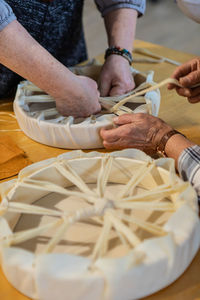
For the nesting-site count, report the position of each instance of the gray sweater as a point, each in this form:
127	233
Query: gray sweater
104	6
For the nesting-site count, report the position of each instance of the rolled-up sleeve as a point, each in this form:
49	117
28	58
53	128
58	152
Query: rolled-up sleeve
189	167
105	6
6	15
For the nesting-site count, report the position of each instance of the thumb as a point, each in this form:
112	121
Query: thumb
116	91
104	87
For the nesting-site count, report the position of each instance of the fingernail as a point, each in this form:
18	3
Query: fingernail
115	119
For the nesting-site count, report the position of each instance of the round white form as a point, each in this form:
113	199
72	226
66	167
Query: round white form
38	118
97	226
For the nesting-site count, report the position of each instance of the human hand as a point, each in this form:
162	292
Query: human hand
115	78
81	100
141	131
188	75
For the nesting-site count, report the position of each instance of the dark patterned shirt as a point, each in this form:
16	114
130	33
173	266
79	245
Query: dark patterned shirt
56	25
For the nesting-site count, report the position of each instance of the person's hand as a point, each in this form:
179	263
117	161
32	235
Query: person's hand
115	78
188	75
74	95
141	131
81	100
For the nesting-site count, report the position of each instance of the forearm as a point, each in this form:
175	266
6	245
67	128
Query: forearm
187	159
74	95
120	26
23	55
175	146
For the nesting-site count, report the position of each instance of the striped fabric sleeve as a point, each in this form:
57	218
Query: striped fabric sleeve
189	167
6	14
105	6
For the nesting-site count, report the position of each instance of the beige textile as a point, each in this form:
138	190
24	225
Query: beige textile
38	118
102	222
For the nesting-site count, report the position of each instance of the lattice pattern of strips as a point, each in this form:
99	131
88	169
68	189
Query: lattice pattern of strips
114	105
108	103
102	208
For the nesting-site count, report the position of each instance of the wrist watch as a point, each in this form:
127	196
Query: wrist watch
161	147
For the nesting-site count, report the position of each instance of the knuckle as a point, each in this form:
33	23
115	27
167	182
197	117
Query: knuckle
140	116
128	130
129	84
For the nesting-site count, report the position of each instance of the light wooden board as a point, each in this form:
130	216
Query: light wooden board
178	113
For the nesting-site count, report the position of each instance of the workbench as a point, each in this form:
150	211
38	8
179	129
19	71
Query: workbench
176	111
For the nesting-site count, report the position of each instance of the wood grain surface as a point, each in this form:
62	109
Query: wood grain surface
175	110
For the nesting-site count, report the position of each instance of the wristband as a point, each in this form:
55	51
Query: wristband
119	51
161	147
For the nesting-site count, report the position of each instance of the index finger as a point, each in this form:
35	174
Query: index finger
182	70
110	135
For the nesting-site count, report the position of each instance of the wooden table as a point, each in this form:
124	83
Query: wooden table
178	113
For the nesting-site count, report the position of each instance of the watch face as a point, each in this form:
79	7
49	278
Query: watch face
191	8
